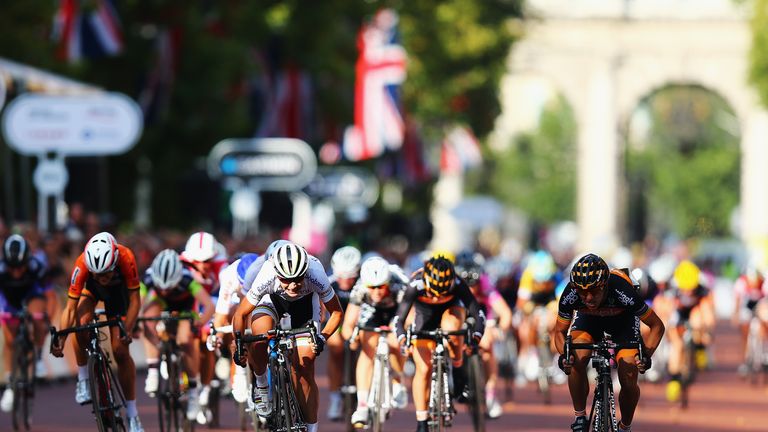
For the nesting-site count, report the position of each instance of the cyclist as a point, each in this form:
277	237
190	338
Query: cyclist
440	299
171	288
469	266
748	291
373	303
536	300
345	264
205	257
22	281
604	301
230	293
105	271
290	285
692	304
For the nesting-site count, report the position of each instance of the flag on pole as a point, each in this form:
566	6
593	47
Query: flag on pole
155	96
380	70
460	151
93	32
289	109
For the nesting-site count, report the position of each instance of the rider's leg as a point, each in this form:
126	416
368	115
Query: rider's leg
630	391
304	381
422	359
335	345
452	320
396	358
85	308
185	337
578	382
37	306
364	370
126	370
150	346
9	335
489	363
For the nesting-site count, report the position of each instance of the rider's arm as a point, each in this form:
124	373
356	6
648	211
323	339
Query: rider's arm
410	295
565	308
473	307
503	312
127	264
657	331
333	306
352	313
76	285
204	299
242	312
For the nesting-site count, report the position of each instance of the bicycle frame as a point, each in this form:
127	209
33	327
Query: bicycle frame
380	392
286	414
170	393
101	376
602	416
440	402
23	374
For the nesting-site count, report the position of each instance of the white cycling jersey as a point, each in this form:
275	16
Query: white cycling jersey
315	281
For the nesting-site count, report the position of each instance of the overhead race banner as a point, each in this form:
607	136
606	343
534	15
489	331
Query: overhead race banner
274	164
93	125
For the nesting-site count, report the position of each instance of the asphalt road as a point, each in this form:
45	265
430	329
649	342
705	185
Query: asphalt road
720	401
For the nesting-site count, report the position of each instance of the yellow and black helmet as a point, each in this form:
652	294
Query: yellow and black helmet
590	271
439	275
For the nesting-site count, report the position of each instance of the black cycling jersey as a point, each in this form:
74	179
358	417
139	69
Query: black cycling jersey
621	298
416	293
31	283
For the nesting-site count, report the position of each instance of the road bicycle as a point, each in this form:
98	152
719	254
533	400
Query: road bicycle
687	364
602	416
544	354
441	409
247	417
107	397
380	400
171	395
348	387
23	375
286	413
756	360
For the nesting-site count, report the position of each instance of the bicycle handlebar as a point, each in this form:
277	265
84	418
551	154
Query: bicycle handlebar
379	330
602	346
168	317
55	335
241	339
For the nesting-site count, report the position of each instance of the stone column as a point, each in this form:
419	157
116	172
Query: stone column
598	160
754	184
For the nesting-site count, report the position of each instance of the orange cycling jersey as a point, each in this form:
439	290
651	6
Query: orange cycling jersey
126	273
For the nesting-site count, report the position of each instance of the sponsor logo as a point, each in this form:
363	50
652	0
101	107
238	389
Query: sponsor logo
75	273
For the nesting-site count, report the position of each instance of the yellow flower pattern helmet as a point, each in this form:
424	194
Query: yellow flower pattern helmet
439	276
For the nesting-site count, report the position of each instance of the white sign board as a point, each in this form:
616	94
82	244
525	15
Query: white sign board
102	124
50	177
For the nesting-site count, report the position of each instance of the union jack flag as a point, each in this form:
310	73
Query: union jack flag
380	70
95	33
460	151
289	110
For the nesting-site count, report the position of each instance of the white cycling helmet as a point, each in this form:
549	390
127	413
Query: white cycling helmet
101	253
201	246
166	269
273	247
345	262
375	272
290	261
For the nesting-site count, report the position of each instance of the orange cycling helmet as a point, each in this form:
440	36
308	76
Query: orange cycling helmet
590	271
439	275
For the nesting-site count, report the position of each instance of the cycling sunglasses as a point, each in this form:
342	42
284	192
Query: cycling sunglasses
376	287
296	280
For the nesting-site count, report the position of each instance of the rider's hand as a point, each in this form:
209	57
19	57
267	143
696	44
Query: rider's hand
644	365
212	342
57	347
240	361
354	344
475	341
126	339
565	364
404	348
319	343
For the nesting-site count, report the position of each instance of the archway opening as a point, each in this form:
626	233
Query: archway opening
682	163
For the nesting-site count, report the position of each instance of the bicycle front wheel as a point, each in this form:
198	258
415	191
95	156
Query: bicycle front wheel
603	419
22	382
436	422
477	406
378	396
102	398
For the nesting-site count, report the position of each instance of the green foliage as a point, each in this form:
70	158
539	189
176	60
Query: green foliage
758	68
537	174
690	163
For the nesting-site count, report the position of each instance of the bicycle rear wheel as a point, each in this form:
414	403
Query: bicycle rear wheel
477	407
102	398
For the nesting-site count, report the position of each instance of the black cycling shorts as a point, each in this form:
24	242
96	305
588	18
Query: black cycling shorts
301	311
371	316
115	298
429	316
624	328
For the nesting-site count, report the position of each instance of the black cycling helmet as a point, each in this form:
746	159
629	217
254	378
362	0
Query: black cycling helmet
439	275
15	251
589	271
469	266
